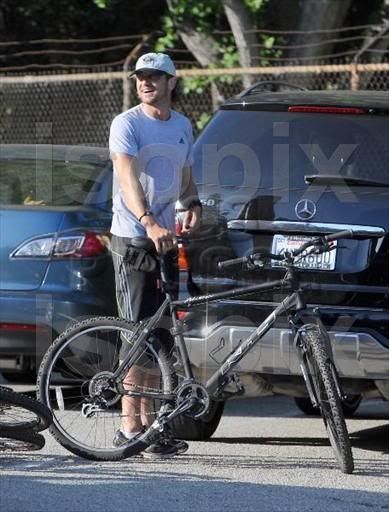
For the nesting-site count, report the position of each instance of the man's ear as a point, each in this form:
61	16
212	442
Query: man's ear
171	83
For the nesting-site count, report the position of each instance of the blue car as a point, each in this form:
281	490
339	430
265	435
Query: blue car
55	265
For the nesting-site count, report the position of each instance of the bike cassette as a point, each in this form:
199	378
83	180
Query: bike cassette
195	393
101	388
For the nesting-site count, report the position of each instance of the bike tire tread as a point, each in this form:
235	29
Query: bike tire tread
43	417
318	343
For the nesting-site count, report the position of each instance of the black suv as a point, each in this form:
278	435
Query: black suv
272	169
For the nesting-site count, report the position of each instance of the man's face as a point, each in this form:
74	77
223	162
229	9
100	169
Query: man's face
152	87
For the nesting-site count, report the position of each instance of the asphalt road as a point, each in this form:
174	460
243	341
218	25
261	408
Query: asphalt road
265	456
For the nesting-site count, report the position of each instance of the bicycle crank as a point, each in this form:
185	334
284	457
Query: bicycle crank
195	394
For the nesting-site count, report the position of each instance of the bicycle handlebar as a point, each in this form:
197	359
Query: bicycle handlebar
233	262
251	258
321	244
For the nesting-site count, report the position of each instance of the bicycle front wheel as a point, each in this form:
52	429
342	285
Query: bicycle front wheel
323	378
88	403
20	412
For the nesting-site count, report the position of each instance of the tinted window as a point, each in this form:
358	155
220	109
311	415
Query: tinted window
277	149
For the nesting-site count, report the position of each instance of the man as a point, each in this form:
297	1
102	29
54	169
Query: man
151	148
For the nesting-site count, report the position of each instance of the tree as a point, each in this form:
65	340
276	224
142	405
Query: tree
23	21
315	16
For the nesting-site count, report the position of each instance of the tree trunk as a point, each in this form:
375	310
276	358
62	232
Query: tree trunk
202	46
319	15
242	27
204	49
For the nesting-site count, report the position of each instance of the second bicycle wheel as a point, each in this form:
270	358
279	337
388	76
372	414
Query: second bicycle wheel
19	412
88	403
322	373
20	441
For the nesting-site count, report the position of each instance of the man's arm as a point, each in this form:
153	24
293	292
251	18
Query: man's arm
189	198
126	168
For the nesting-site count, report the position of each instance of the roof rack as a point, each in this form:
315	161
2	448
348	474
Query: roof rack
271	86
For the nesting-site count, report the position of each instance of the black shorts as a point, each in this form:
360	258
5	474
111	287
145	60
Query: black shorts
137	276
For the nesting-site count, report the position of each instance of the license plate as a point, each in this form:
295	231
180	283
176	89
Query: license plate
324	261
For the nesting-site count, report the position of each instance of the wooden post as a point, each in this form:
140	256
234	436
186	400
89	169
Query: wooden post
354	77
126	68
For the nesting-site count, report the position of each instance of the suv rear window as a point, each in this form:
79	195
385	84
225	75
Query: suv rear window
265	149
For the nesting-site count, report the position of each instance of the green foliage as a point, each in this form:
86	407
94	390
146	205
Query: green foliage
203	120
199	14
102	4
255	5
195	84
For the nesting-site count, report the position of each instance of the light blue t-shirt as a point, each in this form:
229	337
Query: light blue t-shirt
162	149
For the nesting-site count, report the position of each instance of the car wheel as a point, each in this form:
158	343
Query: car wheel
201	429
349	404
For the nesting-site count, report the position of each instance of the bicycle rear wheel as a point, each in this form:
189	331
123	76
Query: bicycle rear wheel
20	412
20	441
76	382
323	379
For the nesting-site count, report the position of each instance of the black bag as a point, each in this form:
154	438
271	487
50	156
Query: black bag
141	255
140	260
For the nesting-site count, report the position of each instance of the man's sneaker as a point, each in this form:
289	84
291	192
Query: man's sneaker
165	448
120	439
181	445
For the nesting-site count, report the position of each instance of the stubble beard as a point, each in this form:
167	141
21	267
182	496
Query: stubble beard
155	98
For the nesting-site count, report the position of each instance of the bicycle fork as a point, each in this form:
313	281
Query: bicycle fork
302	348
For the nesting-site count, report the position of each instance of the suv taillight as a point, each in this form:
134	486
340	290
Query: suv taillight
183	262
80	245
327	110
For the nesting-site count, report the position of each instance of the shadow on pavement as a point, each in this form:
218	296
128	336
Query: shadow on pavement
63	484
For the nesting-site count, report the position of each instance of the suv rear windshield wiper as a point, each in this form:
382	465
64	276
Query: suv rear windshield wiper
336	179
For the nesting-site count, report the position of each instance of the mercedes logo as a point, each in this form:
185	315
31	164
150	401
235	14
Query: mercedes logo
305	209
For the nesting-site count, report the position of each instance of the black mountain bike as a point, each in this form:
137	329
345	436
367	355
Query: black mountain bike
89	369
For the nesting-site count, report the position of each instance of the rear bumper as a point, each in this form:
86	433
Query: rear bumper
356	355
360	352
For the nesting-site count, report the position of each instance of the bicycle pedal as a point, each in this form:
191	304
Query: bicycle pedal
238	388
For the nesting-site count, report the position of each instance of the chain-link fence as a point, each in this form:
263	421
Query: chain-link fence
79	108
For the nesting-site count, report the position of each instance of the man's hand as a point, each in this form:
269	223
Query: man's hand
191	220
164	240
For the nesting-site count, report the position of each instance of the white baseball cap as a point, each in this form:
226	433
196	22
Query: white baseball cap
155	62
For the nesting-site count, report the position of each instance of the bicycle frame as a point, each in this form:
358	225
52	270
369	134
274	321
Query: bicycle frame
292	303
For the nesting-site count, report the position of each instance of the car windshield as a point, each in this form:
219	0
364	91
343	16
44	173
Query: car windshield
48	182
262	149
